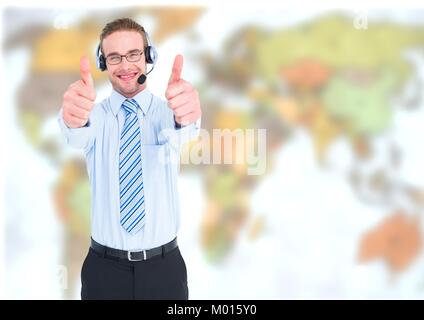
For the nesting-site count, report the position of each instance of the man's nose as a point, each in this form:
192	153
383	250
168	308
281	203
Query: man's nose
125	63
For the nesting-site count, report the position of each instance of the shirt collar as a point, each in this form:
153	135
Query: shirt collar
143	99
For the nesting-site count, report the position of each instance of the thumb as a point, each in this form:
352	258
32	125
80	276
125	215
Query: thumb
176	69
85	72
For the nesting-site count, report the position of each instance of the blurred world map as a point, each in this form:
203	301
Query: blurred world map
338	212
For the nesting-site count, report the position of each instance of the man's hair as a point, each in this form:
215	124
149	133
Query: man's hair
122	24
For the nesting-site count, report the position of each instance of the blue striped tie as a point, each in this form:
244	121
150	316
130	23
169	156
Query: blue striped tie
130	171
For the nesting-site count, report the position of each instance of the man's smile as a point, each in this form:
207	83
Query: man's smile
127	76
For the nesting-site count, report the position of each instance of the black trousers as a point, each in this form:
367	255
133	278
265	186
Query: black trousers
161	277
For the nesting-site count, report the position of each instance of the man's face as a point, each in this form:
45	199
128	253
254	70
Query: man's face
124	75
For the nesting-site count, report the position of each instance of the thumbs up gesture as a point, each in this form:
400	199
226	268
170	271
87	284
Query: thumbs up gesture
182	98
78	100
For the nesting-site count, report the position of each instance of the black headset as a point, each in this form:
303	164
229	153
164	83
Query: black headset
150	55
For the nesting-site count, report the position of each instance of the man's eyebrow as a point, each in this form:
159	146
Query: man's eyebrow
117	53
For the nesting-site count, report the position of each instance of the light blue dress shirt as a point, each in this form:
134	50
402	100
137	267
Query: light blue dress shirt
160	150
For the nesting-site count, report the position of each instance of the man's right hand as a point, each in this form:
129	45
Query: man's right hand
78	100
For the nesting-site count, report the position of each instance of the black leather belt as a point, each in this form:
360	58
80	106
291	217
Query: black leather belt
134	255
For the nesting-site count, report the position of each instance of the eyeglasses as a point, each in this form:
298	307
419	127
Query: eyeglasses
131	57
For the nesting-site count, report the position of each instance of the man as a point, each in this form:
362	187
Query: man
131	142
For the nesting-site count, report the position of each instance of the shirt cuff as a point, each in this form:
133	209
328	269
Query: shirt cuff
181	134
75	137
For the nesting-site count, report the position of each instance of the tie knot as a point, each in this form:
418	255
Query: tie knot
130	106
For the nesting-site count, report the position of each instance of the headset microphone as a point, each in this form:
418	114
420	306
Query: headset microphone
142	79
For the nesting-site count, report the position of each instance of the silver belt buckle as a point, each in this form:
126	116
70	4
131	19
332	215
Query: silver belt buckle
131	259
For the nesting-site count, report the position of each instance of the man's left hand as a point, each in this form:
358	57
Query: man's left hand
182	98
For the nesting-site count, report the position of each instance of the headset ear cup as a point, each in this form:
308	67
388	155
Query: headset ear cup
148	55
100	59
102	63
151	55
